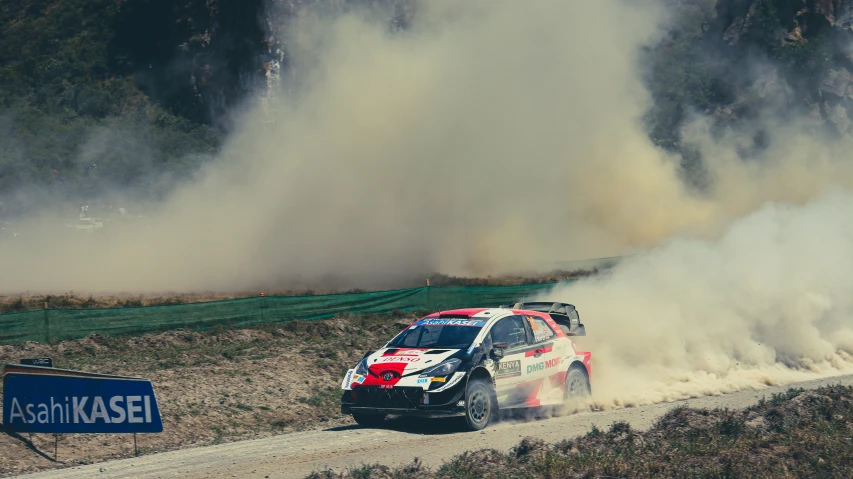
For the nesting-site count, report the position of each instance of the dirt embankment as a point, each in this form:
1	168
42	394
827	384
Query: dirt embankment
212	387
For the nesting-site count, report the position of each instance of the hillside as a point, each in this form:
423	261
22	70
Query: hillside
738	60
97	94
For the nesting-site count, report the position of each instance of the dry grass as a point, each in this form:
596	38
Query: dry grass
212	387
797	434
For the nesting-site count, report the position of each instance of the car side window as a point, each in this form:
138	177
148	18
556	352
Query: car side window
510	331
541	330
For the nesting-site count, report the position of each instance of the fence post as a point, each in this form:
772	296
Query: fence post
263	309
428	296
46	324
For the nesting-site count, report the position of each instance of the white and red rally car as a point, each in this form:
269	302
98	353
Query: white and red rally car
472	362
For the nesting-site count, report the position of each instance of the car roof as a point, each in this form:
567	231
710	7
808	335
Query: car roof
471	312
528	312
467	312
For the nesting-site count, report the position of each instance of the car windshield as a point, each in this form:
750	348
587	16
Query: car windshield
438	333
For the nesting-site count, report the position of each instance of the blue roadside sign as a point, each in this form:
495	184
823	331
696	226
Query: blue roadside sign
49	403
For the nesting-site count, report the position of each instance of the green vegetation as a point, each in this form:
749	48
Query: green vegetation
732	60
681	77
69	99
797	434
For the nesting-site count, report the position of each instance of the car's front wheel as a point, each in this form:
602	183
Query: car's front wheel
479	404
369	420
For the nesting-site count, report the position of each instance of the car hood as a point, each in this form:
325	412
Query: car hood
407	360
399	366
403	367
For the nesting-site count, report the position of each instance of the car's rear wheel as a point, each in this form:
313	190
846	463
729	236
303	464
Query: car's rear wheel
577	384
480	404
369	420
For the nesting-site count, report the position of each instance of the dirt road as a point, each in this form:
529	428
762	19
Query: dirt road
298	454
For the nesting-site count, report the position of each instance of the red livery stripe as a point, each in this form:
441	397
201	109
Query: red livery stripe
543	350
377	370
557	379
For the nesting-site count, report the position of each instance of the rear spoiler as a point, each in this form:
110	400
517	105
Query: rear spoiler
564	314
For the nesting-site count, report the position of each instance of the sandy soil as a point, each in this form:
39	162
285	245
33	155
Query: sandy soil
298	454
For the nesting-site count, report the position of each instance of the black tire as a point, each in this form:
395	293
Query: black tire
480	405
577	384
369	420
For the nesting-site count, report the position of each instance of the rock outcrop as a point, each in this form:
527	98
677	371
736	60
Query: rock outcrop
811	42
796	20
201	57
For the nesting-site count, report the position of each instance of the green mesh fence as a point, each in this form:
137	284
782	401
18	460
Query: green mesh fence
452	297
62	324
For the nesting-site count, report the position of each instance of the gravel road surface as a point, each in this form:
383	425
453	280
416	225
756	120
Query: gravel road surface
298	454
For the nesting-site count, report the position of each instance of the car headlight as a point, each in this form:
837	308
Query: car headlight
361	369
443	369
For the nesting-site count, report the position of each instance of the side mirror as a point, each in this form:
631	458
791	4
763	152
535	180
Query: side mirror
498	350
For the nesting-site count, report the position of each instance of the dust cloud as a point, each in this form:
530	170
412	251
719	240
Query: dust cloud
767	303
485	138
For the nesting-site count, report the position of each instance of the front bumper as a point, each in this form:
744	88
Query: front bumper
419	412
404	401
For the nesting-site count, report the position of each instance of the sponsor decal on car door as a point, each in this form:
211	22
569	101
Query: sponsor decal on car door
508	375
542	362
509	370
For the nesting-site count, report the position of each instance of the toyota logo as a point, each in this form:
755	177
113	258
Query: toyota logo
387	376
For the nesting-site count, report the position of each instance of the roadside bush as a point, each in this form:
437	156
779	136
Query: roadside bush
796	434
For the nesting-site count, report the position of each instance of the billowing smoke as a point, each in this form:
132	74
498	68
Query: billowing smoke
767	303
485	138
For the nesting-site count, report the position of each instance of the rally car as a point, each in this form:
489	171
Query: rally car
472	362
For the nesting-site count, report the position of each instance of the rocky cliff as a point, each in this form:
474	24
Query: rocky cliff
197	57
202	56
168	72
808	42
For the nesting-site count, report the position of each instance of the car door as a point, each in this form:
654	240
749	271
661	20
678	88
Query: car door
508	372
542	364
